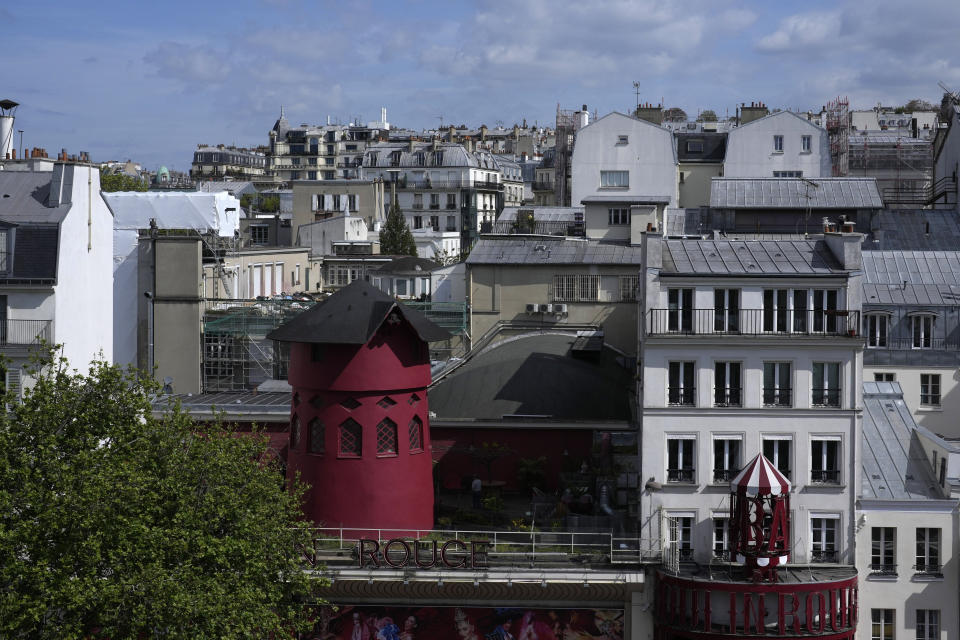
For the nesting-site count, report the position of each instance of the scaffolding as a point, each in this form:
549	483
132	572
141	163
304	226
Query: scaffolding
902	166
238	356
565	130
838	129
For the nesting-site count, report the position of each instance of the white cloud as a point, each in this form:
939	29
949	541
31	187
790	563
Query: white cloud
802	31
188	64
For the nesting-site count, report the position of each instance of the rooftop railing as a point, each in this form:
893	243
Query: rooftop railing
503	548
754	322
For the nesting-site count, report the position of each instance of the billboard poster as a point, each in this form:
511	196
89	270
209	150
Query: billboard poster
466	623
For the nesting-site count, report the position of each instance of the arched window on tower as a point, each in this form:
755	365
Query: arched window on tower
351	438
416	434
387	437
316	435
294	432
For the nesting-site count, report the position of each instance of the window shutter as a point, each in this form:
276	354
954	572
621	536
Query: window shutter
313	202
13	380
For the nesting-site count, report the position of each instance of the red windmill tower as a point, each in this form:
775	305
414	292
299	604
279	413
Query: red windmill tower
760	519
359	424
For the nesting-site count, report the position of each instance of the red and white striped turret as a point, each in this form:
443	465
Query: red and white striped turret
760	519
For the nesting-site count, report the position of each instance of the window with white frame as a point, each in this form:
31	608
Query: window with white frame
4	251
928	624
876	329
923	331
681	383
721	538
617	179
680	309
788	174
777	384
930	389
628	288
824	538
883	551
825	460
775	310
805	143
881	624
778	450
259	234
928	551
726	457
726	310
884	376
576	288
622	139
778	144
727	384
826	384
824	310
618	216
681	458
680	533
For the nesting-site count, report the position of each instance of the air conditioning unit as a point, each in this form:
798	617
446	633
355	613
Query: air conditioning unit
559	308
547	308
532	307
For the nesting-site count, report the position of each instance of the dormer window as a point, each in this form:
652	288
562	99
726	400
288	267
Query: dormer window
395	159
694	146
623	140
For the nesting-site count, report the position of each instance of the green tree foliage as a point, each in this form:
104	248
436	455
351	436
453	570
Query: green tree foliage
110	182
396	239
264	204
708	115
674	114
918	104
118	524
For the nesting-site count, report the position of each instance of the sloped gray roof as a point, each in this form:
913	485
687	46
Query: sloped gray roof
914	229
795	193
636	199
454	155
23	198
353	315
535	376
749	257
544	214
914	278
682	222
894	464
541	250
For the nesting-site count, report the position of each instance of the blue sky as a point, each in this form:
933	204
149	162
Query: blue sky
148	81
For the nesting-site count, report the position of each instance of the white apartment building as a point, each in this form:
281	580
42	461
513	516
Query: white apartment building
55	266
906	525
319	152
447	192
746	348
623	167
780	145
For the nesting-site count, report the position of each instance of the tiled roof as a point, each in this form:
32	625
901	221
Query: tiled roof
751	257
795	193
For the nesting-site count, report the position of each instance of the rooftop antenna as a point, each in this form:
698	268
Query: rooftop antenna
636	89
440	118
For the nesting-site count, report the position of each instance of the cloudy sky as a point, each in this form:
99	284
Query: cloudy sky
149	80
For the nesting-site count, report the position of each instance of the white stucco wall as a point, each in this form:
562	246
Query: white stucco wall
649	155
948	162
750	150
82	318
450	283
943	419
903	593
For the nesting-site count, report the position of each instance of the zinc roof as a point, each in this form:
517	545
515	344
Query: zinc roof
894	465
749	257
795	193
23	198
540	250
913	278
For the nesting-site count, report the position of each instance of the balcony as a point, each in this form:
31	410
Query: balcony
825	476
724	475
883	569
681	475
681	396
826	398
24	333
451	205
777	397
754	322
831	556
928	571
418	205
544	186
728	397
434	205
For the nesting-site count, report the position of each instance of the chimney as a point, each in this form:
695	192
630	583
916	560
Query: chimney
651	113
755	111
846	246
410	145
483	133
451	133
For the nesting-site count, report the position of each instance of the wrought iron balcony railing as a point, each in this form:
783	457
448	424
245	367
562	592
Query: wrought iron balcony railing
680	475
754	322
825	476
24	332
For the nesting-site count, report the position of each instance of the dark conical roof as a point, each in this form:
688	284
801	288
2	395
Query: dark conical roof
281	126
351	316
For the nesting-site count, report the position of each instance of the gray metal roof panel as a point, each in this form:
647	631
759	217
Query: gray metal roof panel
541	250
795	193
637	199
23	198
755	257
894	465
